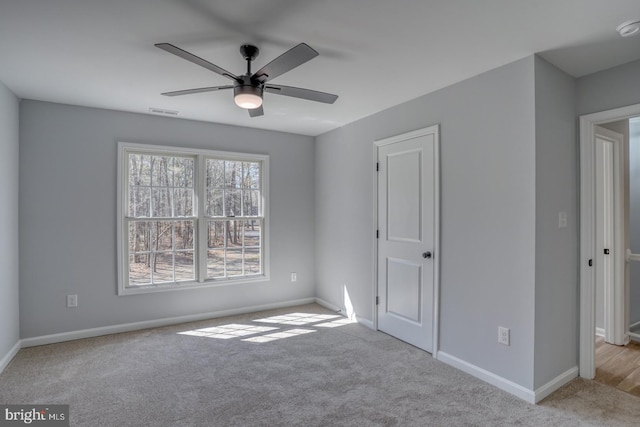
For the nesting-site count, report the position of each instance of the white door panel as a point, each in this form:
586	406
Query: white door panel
403	173
404	286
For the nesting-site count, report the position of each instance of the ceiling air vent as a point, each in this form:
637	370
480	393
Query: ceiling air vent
163	111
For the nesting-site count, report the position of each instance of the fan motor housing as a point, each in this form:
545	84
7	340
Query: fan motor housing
246	86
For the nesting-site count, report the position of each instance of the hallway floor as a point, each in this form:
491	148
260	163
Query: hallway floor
618	366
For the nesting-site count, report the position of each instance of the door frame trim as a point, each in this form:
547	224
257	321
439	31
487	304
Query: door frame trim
587	230
430	130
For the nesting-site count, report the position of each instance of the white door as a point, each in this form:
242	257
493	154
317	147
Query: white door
609	257
407	236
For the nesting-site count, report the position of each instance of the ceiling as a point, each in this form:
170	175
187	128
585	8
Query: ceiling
374	54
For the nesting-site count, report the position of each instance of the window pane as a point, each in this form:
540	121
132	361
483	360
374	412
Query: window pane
185	269
183	172
139	270
234	262
251	203
139	202
139	169
183	202
161	202
252	261
251	175
214	202
163	267
160	171
233	174
216	234
139	236
215	173
232	203
252	233
183	232
163	236
234	234
215	263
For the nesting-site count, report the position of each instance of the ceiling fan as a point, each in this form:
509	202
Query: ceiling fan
248	88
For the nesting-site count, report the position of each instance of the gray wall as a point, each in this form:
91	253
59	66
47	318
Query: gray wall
9	264
68	217
609	89
488	227
557	285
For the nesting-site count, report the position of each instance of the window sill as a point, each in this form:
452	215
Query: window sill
168	287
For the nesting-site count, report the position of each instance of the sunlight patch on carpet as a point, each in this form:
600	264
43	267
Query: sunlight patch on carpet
335	323
264	333
279	335
298	319
228	331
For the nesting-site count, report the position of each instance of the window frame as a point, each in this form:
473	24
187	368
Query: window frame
199	217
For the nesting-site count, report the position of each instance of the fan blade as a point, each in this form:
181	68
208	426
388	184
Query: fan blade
297	92
256	112
289	60
196	60
197	90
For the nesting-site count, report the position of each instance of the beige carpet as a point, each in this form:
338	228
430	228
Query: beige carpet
302	366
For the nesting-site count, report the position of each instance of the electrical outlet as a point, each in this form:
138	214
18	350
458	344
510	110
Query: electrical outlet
294	277
503	335
72	301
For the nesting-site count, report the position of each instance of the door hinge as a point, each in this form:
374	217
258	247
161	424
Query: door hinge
378	167
377	300
590	263
377	234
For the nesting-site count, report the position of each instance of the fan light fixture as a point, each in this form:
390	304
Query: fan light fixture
247	96
629	28
248	101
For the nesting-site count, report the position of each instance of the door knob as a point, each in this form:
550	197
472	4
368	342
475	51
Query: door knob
426	255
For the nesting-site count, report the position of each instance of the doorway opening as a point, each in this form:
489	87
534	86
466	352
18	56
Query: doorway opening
609	248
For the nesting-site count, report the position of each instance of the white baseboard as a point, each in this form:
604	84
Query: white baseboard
556	383
600	332
509	386
364	322
127	327
489	377
4	362
329	306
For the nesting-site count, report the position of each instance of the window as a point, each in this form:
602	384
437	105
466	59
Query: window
189	218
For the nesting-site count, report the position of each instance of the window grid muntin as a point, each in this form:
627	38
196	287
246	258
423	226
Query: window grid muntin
151	227
171	189
243	187
242	248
